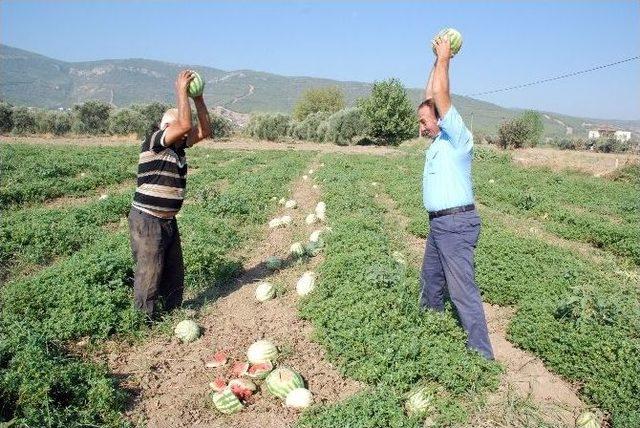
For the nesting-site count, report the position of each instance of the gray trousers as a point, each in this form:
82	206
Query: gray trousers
159	271
448	271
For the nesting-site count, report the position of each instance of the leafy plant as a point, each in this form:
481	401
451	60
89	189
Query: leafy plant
328	100
390	112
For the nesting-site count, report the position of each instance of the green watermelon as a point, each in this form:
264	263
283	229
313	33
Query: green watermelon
226	401
282	381
196	86
262	351
420	400
273	263
454	37
187	331
587	420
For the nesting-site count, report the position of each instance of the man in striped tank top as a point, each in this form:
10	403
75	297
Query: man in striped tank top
162	178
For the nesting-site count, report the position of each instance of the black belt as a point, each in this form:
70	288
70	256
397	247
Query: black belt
461	209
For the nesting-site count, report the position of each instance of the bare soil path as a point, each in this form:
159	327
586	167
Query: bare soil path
171	379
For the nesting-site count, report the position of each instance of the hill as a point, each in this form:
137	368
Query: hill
35	80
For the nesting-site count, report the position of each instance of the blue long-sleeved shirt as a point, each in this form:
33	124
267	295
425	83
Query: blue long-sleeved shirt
446	180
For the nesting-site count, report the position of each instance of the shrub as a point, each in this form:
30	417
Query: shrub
24	121
329	99
308	129
348	126
605	145
44	121
564	143
523	131
61	123
268	126
92	117
151	114
390	112
127	121
6	117
221	127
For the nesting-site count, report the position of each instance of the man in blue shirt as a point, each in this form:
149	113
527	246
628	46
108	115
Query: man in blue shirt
448	265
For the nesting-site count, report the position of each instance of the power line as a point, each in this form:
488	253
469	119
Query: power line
563	76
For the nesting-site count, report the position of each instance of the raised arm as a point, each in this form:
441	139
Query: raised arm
428	90
204	124
182	126
440	84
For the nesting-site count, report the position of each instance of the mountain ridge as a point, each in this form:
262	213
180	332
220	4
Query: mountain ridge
31	79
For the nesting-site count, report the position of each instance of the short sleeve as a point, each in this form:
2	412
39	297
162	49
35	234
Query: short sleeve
156	141
453	125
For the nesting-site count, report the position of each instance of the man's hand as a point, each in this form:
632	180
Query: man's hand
177	130
182	82
442	46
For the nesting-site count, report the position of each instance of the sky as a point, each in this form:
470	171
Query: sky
505	43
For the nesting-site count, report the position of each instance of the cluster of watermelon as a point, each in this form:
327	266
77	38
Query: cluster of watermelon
282	382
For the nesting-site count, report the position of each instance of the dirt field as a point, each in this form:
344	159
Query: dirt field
597	164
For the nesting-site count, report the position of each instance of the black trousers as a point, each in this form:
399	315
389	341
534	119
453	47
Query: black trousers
159	272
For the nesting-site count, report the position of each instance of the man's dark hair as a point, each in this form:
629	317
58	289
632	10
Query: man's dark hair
429	103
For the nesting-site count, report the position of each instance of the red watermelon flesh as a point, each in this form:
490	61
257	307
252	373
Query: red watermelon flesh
242	388
260	370
239	369
219	360
218	384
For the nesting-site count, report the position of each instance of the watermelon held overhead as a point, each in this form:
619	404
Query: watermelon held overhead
196	86
454	36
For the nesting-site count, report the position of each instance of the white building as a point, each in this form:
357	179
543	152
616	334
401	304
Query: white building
609	132
623	136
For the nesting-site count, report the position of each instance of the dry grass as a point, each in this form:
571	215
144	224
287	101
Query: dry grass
596	164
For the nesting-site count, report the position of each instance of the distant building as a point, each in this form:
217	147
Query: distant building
623	136
607	131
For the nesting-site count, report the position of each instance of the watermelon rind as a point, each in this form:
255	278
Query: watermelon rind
226	402
282	381
260	370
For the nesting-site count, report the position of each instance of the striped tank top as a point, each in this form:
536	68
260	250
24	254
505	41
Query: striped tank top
162	177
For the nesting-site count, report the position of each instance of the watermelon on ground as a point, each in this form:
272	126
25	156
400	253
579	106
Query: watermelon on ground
282	381
226	401
260	370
